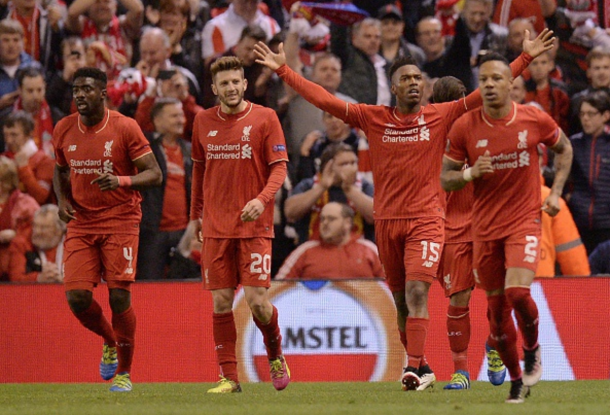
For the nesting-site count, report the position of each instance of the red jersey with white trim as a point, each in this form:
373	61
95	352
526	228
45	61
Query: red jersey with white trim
108	147
405	149
237	151
458	215
508	199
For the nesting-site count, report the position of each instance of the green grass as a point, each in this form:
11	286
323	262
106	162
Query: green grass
552	398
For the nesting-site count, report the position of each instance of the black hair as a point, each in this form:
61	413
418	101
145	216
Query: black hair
95	73
600	100
493	56
28	72
400	62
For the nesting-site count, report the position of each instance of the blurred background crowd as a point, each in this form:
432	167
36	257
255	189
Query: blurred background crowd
157	55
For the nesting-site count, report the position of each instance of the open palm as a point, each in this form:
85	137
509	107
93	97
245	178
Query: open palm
266	56
541	44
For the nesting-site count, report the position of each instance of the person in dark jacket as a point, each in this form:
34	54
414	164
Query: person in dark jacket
165	209
589	190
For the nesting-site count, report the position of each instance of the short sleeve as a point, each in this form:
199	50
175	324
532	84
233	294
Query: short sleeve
275	143
456	147
60	159
137	145
548	129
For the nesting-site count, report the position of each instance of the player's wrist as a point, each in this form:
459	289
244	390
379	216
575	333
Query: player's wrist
124	181
467	175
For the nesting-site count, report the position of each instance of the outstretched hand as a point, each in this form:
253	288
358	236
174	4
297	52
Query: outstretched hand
269	59
541	44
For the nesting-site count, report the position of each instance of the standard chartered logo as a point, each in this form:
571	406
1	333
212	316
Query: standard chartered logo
524	159
246	152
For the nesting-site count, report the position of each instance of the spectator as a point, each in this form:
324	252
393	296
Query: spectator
155	52
223	31
518	91
108	37
393	44
534	11
314	144
17	211
561	249
165	209
171	83
600	259
476	35
516	33
38	257
548	92
253	72
598	73
364	74
185	259
12	58
447	12
339	254
31	99
34	166
186	43
428	33
589	190
337	181
59	87
41	25
302	117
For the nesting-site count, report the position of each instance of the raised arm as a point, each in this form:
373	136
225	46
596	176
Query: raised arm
531	50
311	91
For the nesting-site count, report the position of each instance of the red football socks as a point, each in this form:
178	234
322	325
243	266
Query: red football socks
403	338
503	335
94	320
458	331
271	335
124	325
520	298
417	331
225	336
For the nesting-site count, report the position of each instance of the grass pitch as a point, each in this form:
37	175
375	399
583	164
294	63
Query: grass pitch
552	398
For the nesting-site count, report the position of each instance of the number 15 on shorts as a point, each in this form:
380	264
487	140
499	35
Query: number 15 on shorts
430	253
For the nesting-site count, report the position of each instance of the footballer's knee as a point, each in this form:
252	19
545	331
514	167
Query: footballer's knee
461	299
79	300
120	300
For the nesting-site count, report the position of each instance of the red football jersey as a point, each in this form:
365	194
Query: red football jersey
108	147
509	198
458	215
237	151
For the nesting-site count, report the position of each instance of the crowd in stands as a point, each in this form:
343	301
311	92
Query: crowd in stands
157	55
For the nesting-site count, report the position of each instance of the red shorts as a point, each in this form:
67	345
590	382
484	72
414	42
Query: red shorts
88	258
455	270
410	249
493	258
226	263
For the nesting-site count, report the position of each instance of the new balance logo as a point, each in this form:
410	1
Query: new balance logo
529	259
246	152
262	277
428	264
481	144
72	147
213	133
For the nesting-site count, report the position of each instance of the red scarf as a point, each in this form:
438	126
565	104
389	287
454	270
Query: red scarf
43	126
314	219
31	38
